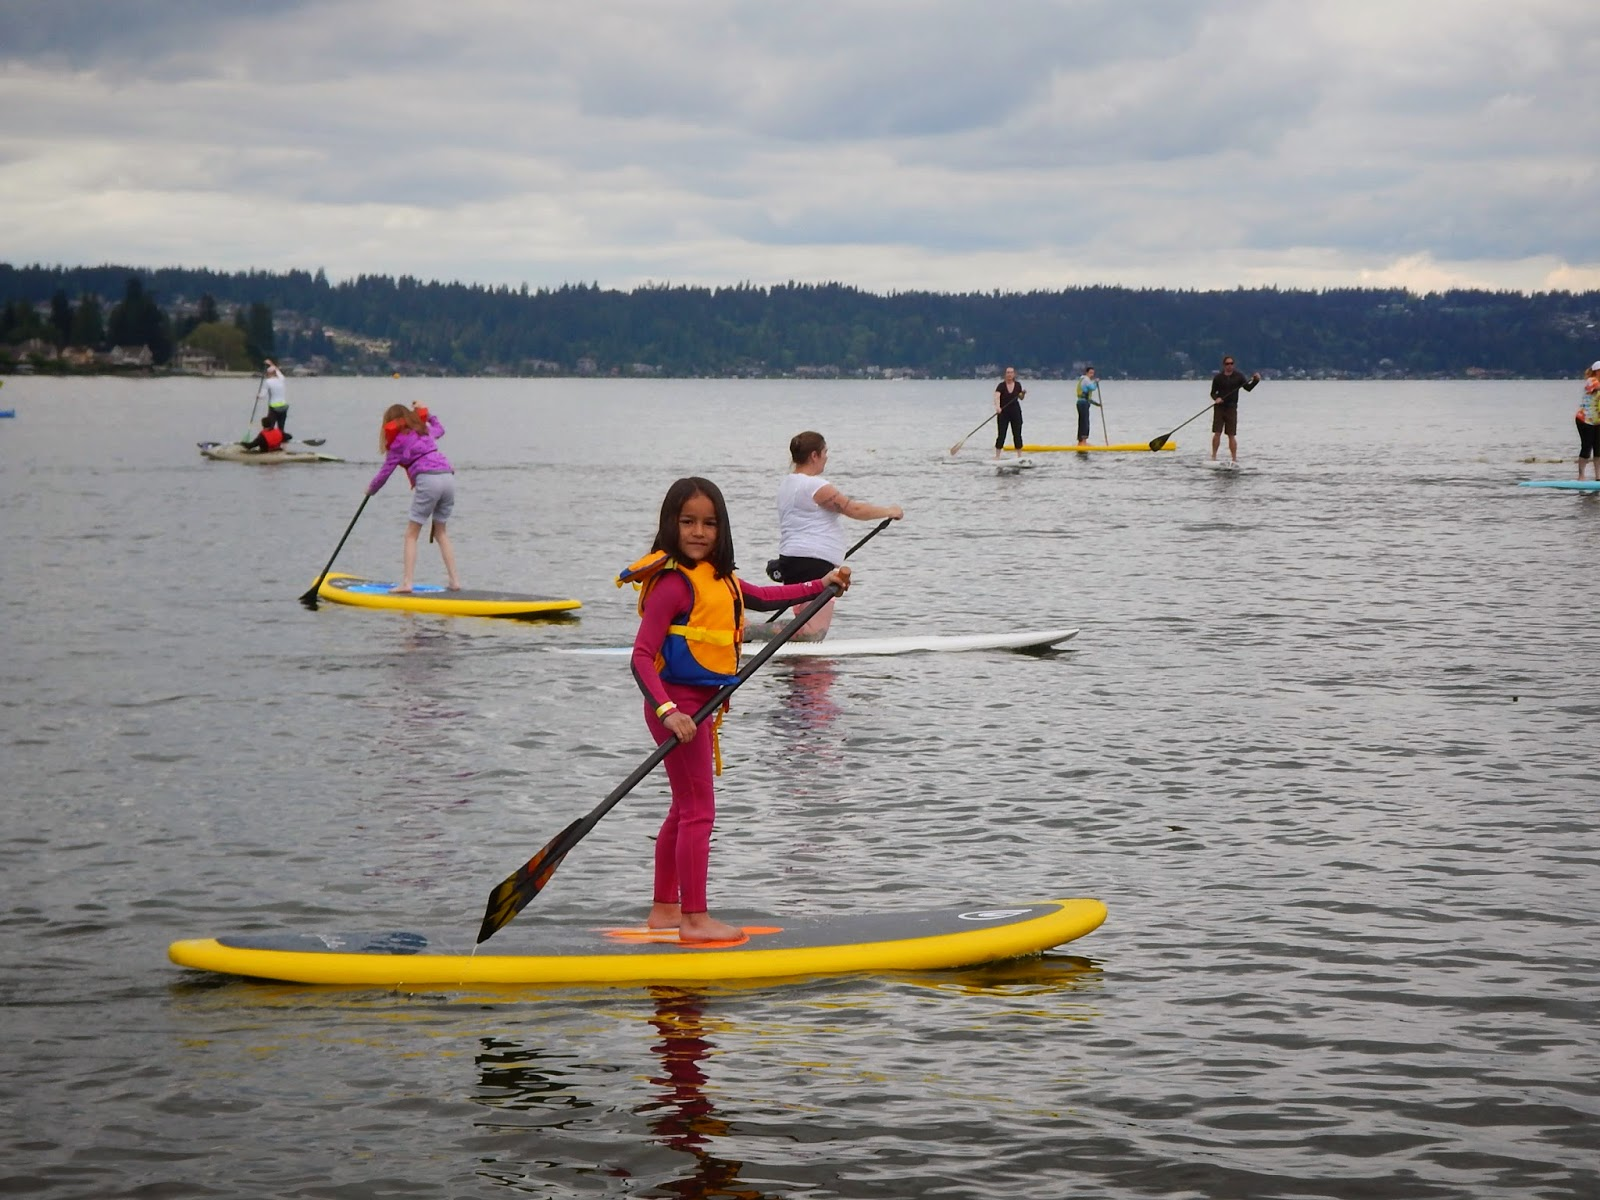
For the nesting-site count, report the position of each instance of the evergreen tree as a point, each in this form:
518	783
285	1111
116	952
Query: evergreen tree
257	326
88	323
60	317
137	320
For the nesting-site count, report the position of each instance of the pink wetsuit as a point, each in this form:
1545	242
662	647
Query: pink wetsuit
683	847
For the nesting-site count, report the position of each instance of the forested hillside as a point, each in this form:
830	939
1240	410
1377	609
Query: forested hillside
376	322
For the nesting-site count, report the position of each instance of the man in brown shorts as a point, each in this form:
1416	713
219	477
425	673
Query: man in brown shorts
1225	387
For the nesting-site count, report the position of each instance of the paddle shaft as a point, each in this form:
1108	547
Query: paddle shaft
250	433
1157	443
514	892
309	599
1102	391
876	530
956	449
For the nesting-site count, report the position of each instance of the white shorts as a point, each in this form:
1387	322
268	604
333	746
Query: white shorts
434	498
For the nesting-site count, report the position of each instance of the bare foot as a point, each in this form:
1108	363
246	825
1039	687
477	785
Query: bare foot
664	916
703	927
455	587
403	589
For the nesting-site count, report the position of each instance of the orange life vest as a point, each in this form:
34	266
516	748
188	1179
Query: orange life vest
701	648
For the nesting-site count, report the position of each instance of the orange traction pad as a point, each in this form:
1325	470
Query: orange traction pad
669	937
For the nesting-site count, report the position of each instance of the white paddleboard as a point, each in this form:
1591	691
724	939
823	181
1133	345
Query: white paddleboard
1033	639
1007	465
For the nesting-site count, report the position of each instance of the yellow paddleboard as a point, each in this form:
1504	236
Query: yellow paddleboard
431	598
1120	448
532	951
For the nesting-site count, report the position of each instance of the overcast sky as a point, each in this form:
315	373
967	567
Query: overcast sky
890	144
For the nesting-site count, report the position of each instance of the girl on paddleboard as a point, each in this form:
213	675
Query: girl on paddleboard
691	610
407	439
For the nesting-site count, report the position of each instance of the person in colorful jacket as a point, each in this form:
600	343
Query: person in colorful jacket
691	618
408	438
1088	394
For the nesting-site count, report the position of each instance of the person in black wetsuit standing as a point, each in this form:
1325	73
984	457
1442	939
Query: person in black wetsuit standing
1008	394
1225	387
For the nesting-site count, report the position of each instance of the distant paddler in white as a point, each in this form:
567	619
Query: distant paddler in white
272	387
811	537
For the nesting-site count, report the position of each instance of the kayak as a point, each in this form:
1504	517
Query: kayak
1568	485
431	598
1036	639
1120	448
233	452
600	952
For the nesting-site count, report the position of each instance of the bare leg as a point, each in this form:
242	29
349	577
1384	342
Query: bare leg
817	627
703	927
448	553
1216	440
409	573
1233	448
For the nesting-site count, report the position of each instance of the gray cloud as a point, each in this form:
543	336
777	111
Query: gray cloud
881	142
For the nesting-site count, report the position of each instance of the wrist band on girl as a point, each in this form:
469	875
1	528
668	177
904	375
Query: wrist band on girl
664	709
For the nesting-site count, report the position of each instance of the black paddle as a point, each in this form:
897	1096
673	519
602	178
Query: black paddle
1101	405
876	530
1158	442
512	894
309	599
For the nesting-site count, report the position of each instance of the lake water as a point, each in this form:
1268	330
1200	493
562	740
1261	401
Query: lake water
1325	746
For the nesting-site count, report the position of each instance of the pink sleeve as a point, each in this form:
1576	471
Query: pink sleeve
778	594
666	600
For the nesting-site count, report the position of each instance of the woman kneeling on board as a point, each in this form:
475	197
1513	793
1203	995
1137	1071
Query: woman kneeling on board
407	440
691	609
810	531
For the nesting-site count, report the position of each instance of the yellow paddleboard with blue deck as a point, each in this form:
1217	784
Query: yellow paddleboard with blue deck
431	598
769	948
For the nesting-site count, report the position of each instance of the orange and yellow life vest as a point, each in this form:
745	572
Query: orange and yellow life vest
701	648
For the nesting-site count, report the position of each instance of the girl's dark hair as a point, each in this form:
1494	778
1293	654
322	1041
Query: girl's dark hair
679	494
803	445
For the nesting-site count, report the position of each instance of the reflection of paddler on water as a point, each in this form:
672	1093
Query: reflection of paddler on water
683	1116
811	539
691	609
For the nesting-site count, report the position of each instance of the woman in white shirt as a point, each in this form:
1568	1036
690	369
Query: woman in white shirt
811	538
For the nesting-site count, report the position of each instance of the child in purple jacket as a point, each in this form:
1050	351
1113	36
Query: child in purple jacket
407	440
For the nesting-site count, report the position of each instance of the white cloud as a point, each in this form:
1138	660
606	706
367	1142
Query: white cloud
885	143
